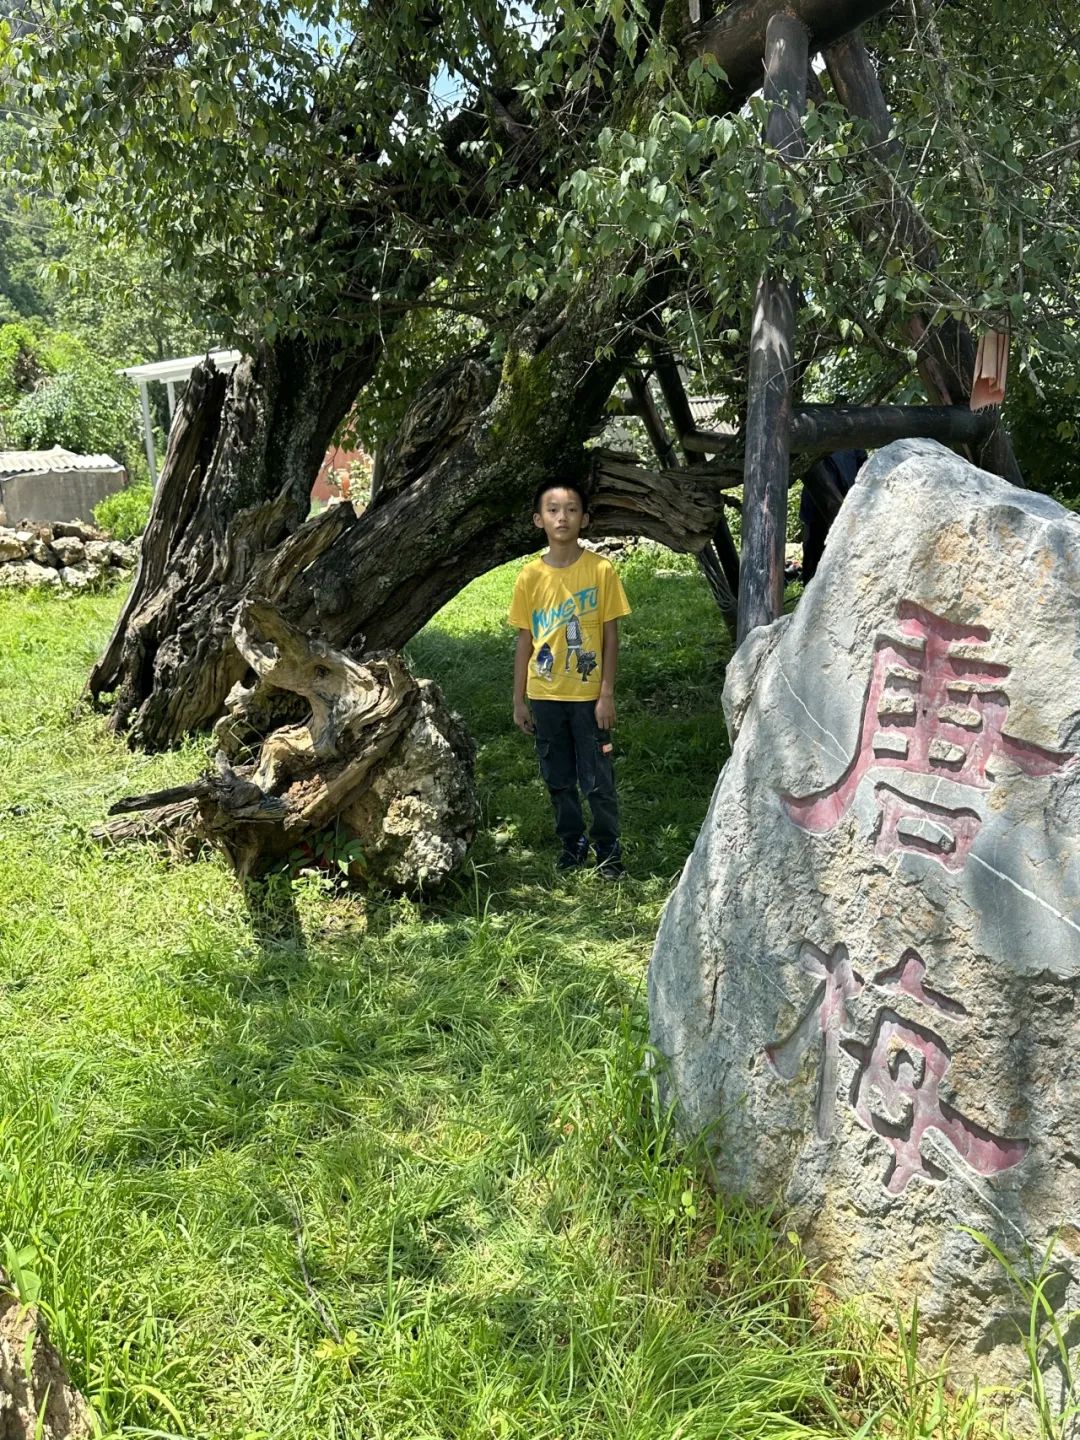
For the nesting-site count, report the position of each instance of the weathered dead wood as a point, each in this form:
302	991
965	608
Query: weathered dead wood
680	508
350	762
769	381
236	480
946	350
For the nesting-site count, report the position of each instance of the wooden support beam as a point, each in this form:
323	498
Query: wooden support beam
819	429
768	410
645	406
671	386
946	352
720	561
737	36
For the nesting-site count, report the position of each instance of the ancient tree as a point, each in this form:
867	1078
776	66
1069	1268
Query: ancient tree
470	233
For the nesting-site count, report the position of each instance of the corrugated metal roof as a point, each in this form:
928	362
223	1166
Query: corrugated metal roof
41	462
705	408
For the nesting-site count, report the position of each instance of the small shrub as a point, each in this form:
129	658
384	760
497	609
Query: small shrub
87	409
124	514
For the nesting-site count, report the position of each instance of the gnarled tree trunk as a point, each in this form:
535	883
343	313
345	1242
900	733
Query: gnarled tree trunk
236	481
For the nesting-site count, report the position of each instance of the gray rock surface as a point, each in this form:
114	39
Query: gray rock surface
62	551
76	530
867	982
35	574
68	549
13	576
417	818
37	1400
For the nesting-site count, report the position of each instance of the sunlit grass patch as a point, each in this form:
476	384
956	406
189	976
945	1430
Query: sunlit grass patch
400	1169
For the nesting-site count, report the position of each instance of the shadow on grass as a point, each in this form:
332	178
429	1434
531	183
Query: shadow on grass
403	1066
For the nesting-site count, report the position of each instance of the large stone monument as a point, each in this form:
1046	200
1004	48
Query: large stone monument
867	982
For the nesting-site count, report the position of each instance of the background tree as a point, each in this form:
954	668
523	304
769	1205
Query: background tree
469	220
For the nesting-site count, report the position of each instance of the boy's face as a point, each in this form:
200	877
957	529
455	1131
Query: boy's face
561	515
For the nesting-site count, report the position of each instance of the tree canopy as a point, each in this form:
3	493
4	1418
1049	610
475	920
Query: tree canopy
454	228
429	173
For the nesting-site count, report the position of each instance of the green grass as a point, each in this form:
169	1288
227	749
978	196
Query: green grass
400	1171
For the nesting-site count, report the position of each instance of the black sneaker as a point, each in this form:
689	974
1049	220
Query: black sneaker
611	867
573	856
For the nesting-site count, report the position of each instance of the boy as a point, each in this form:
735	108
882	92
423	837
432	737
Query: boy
566	607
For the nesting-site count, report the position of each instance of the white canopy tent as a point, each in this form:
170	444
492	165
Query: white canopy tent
169	372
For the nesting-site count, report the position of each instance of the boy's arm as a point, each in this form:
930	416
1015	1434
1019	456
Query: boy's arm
522	656
609	665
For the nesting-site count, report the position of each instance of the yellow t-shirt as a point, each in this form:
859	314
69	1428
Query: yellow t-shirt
564	610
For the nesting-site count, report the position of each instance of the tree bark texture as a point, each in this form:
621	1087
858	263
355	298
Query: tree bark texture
373	779
736	37
458	483
768	407
236	481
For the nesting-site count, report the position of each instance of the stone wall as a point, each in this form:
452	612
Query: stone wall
68	553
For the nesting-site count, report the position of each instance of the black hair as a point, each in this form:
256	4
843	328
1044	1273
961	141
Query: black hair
542	490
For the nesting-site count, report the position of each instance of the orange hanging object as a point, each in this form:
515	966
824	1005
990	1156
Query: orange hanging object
991	370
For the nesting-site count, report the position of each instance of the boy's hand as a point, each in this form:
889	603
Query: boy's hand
605	712
523	717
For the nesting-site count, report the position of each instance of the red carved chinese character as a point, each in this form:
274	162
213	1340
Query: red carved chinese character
825	1016
935	706
897	1096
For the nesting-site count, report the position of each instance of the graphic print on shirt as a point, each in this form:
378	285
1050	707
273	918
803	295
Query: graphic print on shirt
563	609
574	639
568	613
586	664
567	617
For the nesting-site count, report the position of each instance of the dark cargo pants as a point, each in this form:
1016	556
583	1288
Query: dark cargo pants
570	745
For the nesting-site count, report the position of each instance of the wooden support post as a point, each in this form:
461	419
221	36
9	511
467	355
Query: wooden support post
768	409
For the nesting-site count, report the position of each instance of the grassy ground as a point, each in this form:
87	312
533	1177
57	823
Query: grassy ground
404	1175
